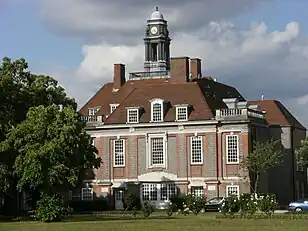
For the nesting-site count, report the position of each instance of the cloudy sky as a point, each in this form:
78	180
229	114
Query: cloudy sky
258	46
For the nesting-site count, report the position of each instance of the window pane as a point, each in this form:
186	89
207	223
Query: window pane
232	191
157	149
133	116
196	149
181	113
157	112
197	191
232	148
119	152
87	194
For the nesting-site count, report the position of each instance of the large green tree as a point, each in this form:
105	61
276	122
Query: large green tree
302	153
53	149
20	93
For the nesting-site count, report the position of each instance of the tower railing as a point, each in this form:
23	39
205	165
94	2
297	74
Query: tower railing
148	75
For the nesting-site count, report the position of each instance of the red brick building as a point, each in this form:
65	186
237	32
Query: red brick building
169	129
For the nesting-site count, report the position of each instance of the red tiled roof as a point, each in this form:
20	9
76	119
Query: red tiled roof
277	113
204	95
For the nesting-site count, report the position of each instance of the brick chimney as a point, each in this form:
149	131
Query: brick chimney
195	68
179	69
118	76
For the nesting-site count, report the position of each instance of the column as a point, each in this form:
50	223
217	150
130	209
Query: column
158	51
146	49
163	51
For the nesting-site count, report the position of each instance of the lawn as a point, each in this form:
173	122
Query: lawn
156	222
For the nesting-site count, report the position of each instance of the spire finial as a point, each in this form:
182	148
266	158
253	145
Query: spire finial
156	8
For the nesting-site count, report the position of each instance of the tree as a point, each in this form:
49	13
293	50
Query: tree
265	155
53	150
302	153
19	91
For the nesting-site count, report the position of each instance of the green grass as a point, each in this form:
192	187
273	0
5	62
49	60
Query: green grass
157	221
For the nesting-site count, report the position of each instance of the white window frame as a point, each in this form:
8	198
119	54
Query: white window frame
161	102
92	111
178	108
191	150
162	193
114	153
113	106
82	194
165	158
128	115
233	186
227	149
196	190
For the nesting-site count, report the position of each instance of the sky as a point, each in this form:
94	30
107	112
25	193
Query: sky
258	46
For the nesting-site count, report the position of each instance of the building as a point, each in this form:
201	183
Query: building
169	129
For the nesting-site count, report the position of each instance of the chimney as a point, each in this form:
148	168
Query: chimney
195	68
118	76
179	69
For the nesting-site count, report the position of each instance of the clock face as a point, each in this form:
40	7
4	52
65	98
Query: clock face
154	30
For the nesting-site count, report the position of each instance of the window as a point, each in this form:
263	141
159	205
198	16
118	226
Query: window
92	111
119	153
233	190
157	112
113	107
86	194
119	194
157	151
149	192
133	115
196	150
181	114
158	192
197	191
167	191
232	149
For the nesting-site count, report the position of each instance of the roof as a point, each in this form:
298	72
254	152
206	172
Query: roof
277	113
204	95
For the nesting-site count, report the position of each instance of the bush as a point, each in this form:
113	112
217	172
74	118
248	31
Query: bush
87	206
147	209
268	203
248	204
231	205
131	201
177	202
195	204
50	208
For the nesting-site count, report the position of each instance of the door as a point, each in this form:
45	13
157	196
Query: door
119	199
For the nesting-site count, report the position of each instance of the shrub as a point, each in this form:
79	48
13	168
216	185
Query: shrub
268	203
131	201
87	206
147	209
195	204
248	204
231	205
50	208
170	209
177	202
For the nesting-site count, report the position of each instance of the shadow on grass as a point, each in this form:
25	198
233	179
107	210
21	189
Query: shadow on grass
113	217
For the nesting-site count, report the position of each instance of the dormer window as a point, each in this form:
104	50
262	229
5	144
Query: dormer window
113	107
181	112
133	115
92	111
157	110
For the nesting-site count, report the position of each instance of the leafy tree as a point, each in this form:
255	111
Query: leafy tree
265	155
19	91
302	153
53	149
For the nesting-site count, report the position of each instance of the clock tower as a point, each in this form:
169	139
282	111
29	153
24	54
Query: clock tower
157	44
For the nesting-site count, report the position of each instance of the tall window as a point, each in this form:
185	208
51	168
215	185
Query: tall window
157	151
233	190
86	194
119	153
149	192
167	191
133	115
181	113
196	150
232	143
197	191
157	112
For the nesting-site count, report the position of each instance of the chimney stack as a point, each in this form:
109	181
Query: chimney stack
195	68
179	69
118	76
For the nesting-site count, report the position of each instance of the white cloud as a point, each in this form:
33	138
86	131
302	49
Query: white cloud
256	61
